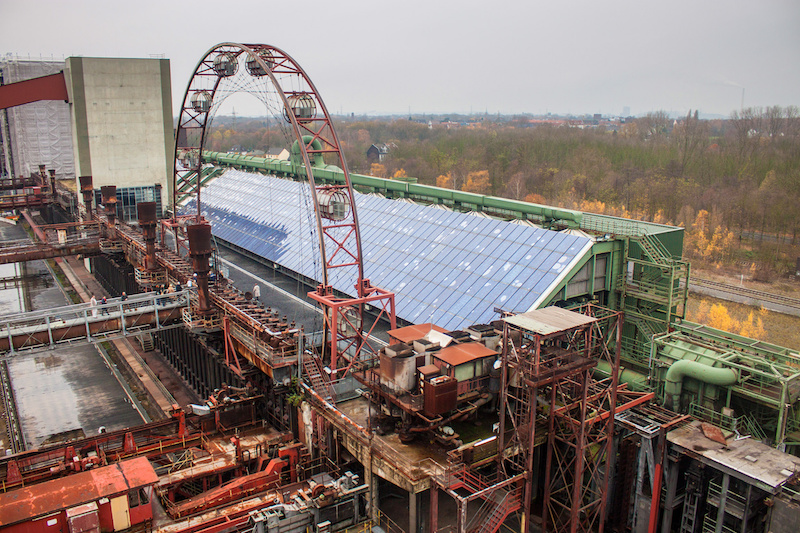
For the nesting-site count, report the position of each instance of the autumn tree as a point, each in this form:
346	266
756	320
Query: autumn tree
444	181
717	316
534	198
753	326
376	169
399	173
478	182
654	126
690	137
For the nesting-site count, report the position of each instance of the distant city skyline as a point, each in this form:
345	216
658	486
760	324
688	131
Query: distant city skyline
466	57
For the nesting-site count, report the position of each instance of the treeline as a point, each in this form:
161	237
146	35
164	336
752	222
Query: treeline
727	181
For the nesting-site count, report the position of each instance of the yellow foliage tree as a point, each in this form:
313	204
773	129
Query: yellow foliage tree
701	222
535	198
477	182
445	182
592	206
377	170
363	136
719	318
753	327
400	173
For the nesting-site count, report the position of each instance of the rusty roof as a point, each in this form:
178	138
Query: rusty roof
549	320
51	496
414	332
746	459
457	354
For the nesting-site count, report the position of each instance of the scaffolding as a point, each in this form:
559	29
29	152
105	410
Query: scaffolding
39	132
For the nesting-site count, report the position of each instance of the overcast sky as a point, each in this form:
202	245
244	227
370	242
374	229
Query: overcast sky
460	56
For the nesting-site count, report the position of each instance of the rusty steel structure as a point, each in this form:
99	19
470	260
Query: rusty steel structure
154	440
548	386
35	191
211	473
142	313
52	87
291	95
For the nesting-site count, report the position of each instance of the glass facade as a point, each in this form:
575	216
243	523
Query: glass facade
445	267
128	197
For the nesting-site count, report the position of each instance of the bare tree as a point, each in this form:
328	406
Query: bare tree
516	188
654	126
690	136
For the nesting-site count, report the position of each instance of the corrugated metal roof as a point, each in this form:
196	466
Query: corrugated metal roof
549	320
746	459
445	267
29	502
414	332
458	354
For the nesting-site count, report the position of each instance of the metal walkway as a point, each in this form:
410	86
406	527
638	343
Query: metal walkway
140	313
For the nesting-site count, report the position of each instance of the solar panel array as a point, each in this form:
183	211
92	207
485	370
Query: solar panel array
449	268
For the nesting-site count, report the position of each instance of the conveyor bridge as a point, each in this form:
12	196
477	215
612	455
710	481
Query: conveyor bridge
141	313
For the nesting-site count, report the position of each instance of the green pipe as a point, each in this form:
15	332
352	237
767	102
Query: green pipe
297	155
635	380
436	194
687	368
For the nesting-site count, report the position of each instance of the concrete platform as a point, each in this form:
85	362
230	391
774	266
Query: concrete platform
67	389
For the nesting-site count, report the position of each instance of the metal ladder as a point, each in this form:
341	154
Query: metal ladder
691	504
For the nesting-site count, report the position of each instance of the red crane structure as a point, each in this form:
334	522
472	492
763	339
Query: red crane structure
283	86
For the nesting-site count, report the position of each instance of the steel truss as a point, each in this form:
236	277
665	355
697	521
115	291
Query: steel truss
549	355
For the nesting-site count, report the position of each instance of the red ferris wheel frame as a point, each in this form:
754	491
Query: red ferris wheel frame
314	133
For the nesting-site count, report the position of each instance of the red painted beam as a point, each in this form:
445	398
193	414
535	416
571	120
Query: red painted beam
34	227
52	87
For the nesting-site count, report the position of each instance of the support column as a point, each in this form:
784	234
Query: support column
372	483
462	516
434	510
723	501
671	481
413	526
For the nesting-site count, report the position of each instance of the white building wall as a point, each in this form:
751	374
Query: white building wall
122	121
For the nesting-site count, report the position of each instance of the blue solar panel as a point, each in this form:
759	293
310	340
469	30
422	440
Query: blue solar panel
445	267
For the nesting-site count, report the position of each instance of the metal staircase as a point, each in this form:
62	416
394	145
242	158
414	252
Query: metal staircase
318	378
495	510
655	287
500	497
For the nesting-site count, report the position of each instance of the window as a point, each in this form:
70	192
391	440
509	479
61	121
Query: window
465	371
128	197
138	497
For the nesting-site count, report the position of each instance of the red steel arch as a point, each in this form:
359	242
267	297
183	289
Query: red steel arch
334	205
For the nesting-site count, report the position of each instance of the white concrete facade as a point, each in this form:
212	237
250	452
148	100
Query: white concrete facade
122	121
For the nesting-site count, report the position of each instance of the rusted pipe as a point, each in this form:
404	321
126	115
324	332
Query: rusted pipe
109	194
200	251
146	212
34	227
87	191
